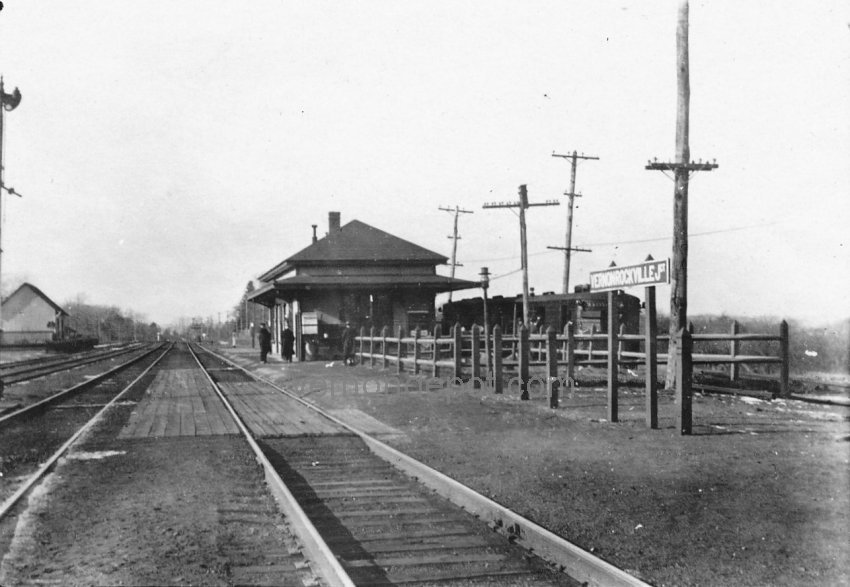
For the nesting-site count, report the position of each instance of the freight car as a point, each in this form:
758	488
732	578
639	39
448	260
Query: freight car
585	309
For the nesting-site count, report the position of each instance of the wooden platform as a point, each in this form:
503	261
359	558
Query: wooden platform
179	402
268	412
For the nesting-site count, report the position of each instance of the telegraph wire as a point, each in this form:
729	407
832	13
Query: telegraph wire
637	241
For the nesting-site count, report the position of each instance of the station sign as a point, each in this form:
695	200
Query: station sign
309	323
641	275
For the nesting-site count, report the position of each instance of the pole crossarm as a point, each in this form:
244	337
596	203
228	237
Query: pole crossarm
456	210
576	249
519	204
575	155
690	168
671	166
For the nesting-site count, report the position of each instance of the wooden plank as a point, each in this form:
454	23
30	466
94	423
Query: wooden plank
140	421
187	418
172	415
199	415
160	416
247	413
220	421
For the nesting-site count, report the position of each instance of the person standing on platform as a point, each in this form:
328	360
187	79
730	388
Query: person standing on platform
288	341
348	344
265	342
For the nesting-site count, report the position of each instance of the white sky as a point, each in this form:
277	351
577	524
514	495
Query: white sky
168	152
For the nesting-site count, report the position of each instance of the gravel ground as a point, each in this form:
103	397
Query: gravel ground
756	496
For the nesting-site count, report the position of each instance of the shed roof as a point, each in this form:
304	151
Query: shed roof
357	243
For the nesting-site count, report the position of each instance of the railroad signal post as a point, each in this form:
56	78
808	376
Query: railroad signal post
8	102
523	204
571	195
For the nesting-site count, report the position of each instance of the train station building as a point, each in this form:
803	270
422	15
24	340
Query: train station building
357	274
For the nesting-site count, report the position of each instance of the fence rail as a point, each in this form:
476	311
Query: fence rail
460	354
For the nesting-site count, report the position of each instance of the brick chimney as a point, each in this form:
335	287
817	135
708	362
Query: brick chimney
333	222
315	238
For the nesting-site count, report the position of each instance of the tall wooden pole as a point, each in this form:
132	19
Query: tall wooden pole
679	269
523	199
522	204
457	210
682	168
568	247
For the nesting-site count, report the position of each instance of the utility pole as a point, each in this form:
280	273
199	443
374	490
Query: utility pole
568	248
455	237
523	204
8	102
682	170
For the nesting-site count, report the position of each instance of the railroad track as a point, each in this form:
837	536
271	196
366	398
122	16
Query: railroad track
388	519
33	438
18	371
360	512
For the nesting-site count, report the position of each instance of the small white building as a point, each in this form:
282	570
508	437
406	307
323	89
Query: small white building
30	317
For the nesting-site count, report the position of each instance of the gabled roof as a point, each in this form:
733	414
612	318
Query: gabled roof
357	243
39	293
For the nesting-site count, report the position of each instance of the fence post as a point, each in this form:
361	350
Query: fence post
384	361
488	359
371	346
613	366
621	332
590	342
784	384
571	353
362	335
476	356
684	397
552	366
416	351
524	353
436	355
399	367
733	350
497	359
458	351
651	358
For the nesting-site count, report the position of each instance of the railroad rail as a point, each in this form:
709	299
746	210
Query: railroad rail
390	519
26	370
39	406
52	432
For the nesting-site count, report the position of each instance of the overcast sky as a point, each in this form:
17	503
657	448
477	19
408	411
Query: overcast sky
168	152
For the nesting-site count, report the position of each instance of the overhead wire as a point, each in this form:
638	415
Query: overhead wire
628	242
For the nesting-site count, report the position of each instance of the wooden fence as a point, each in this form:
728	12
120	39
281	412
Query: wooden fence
462	356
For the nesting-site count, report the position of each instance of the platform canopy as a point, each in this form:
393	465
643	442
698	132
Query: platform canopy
286	288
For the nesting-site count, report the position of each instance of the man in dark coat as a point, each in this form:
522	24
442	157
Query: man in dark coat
287	339
348	344
265	342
